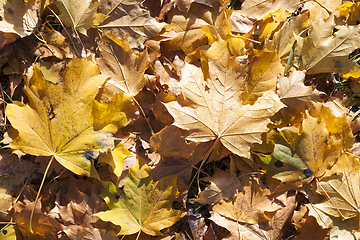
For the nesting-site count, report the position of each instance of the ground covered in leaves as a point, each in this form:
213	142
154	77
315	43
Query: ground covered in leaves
179	119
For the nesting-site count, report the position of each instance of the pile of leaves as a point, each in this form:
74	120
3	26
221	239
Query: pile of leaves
179	119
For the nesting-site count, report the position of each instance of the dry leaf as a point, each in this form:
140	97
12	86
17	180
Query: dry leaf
324	50
213	110
80	15
222	187
126	69
251	205
128	20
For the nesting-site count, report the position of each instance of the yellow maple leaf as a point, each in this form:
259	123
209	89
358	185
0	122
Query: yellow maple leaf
145	205
214	110
63	119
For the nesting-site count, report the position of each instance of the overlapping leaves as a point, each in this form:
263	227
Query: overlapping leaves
59	120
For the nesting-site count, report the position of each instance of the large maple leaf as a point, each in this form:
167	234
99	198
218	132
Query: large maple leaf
144	205
214	109
64	120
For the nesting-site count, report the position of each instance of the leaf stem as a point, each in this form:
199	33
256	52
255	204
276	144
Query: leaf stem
137	237
38	194
327	195
197	175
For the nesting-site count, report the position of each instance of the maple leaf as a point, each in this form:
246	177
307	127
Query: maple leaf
302	156
59	119
12	175
296	96
292	90
271	22
258	9
144	205
283	39
213	109
115	158
128	20
342	188
251	205
17	17
263	230
188	28
325	51
79	14
126	69
8	232
265	67
44	225
222	187
221	38
184	5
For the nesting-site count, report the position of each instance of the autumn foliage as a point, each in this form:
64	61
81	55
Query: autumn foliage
179	119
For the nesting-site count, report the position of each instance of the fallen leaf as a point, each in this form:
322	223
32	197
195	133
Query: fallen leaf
115	158
311	226
43	225
80	15
222	187
18	18
188	28
144	205
258	9
264	70
12	174
126	69
301	156
283	39
184	5
342	188
251	205
169	143
128	20
213	109
8	232
58	120
324	50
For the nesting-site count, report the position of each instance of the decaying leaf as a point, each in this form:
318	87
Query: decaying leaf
44	226
59	119
213	109
144	205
